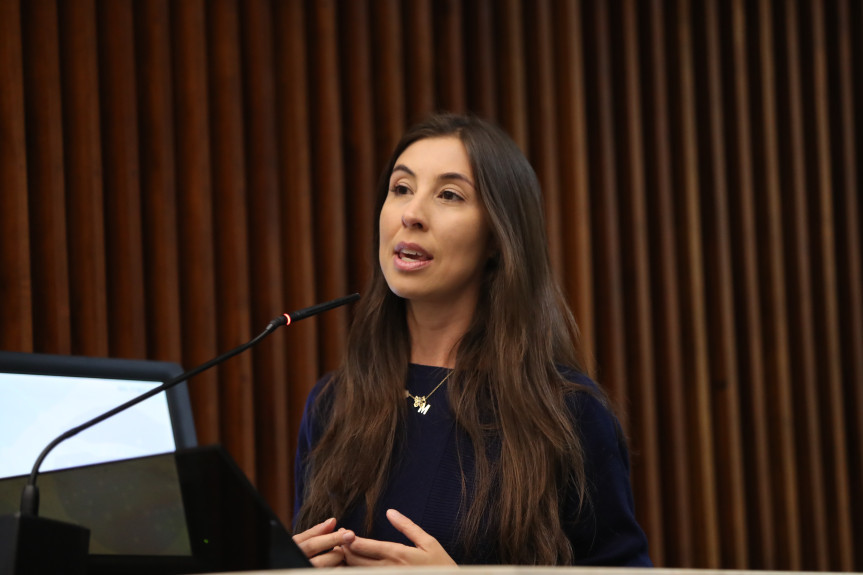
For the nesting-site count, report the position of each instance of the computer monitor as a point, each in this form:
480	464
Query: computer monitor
42	396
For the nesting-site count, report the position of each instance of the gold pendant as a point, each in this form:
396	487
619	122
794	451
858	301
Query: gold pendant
419	401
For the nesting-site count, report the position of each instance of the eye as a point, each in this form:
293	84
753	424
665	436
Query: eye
450	195
399	189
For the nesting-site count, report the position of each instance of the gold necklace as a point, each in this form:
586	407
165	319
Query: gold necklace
421	401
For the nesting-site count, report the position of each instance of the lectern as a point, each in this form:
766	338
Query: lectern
190	511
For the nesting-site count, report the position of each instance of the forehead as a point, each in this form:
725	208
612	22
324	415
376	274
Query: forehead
433	156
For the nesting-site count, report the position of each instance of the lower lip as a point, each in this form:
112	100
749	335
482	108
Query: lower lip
407	265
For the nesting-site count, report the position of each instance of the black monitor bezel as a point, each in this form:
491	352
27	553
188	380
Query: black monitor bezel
179	402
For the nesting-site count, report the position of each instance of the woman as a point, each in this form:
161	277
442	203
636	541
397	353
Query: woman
461	428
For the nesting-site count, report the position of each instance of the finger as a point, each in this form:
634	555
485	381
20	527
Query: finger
410	529
334	558
356	560
372	548
365	555
319	529
321	543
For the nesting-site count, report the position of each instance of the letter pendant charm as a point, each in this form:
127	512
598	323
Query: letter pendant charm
424	408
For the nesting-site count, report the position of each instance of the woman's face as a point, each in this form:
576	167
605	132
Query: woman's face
434	237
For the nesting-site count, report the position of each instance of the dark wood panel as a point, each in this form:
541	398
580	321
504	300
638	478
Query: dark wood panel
16	332
401	80
774	297
678	520
692	305
415	75
576	236
800	296
158	180
640	343
825	289
512	89
748	311
265	255
481	78
231	235
84	183
299	341
719	300
195	211
449	60
123	234
610	338
850	260
543	138
46	178
328	177
361	169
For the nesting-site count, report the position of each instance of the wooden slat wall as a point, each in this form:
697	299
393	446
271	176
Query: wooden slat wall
175	174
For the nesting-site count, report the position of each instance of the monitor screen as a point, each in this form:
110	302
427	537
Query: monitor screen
42	396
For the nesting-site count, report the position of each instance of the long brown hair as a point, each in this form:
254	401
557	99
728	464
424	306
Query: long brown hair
506	392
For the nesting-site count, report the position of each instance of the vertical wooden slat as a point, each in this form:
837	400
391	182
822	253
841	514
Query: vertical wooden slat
576	236
543	139
271	423
158	180
124	250
786	521
328	179
360	167
481	77
449	49
640	344
231	232
16	327
294	160
679	522
395	87
45	178
195	212
825	292
419	62
720	304
693	310
512	89
800	309
83	156
850	275
611	344
749	339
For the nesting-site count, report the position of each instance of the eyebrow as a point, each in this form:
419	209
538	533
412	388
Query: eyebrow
445	176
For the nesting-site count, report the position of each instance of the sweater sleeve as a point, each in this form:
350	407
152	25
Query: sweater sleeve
605	532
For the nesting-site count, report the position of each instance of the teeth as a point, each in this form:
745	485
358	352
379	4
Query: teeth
411	254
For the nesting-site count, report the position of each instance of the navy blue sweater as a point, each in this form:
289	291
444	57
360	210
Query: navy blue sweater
425	484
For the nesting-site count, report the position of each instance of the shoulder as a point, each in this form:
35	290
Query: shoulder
317	408
591	411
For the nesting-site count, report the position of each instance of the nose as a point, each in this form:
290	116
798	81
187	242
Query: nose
414	214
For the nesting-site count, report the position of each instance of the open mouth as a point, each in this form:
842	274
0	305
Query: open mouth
413	255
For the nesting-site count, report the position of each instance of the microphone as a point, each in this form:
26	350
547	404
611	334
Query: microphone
30	495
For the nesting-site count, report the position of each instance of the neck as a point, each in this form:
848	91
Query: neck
436	331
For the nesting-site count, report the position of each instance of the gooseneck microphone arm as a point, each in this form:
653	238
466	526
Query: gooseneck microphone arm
30	495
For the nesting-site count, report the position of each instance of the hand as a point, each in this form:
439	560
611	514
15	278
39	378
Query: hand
369	552
321	545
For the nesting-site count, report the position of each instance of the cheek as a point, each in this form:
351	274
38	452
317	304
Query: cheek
385	234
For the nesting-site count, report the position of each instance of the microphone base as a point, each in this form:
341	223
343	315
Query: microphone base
36	545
